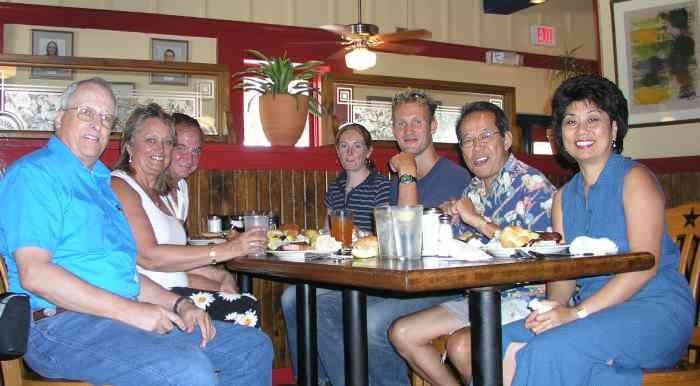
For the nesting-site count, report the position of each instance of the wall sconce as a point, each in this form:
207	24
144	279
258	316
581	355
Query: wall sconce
508	58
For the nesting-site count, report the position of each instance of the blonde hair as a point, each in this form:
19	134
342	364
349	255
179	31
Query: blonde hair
415	96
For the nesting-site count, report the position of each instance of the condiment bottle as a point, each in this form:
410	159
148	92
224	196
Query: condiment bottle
431	229
445	235
214	224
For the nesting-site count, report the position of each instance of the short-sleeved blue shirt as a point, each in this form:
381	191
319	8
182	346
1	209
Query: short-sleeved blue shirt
371	193
444	181
51	200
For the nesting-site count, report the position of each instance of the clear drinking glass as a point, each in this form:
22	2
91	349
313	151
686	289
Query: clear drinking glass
399	231
408	231
341	226
385	233
256	221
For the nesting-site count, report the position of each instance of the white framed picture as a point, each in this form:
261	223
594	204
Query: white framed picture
169	51
52	43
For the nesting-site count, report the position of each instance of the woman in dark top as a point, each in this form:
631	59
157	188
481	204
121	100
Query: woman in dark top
359	187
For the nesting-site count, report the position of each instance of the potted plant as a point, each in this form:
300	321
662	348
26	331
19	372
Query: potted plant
286	95
565	66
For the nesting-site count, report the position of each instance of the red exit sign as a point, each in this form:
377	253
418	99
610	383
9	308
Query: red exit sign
543	35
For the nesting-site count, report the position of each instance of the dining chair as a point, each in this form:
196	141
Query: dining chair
14	372
683	224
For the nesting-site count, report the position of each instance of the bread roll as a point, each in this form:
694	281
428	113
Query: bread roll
516	237
366	248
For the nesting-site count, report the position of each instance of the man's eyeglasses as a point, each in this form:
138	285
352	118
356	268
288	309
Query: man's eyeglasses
483	138
88	114
412	94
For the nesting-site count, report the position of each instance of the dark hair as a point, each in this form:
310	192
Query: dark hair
366	136
415	96
133	125
186	120
500	116
595	89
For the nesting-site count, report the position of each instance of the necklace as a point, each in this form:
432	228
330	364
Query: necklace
155	199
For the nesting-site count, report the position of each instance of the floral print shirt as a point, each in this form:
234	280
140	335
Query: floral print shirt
521	195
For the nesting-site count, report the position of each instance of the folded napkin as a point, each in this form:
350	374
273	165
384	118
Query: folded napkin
588	245
463	251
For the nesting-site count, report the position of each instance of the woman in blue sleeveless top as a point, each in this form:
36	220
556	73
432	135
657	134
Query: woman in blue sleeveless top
619	324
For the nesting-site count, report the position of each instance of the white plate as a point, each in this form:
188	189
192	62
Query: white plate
206	241
550	249
296	255
500	252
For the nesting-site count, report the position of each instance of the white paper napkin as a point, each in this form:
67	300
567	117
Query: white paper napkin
463	251
586	245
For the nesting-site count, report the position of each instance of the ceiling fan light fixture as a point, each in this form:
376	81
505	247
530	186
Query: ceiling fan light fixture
538	1
360	59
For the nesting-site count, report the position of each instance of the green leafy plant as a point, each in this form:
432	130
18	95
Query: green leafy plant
567	66
275	75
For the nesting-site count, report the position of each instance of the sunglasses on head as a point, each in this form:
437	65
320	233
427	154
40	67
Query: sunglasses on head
412	94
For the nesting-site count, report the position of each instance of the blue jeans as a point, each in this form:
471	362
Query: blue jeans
103	351
386	367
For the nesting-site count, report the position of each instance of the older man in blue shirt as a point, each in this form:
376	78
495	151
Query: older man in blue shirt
68	245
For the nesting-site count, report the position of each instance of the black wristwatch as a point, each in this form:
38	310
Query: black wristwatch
407	179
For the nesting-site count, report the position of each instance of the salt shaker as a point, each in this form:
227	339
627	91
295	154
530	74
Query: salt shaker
445	234
431	231
214	224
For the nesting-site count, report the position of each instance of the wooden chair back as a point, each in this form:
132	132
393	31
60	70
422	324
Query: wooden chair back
14	373
683	224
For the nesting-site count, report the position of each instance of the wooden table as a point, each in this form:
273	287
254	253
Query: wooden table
415	276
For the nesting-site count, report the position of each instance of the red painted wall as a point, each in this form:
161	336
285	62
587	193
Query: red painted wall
232	39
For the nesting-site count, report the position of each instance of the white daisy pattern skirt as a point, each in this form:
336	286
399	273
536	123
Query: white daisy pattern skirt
237	308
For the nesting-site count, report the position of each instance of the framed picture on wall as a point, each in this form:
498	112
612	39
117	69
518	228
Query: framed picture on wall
169	51
52	43
126	101
656	52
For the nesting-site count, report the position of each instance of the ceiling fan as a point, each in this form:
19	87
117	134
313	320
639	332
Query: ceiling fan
360	38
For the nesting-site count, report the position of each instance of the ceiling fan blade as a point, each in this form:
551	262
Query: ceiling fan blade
340	54
399	48
337	28
318	43
403	35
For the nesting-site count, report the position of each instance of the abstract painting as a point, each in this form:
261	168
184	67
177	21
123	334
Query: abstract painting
657	59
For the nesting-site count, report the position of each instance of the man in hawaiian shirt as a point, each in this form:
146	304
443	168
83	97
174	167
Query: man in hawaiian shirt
504	191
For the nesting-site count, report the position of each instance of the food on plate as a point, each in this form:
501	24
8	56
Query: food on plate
311	234
290	230
546	239
466	236
326	244
366	248
516	237
297	246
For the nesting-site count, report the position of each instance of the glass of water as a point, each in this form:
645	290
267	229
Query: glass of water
256	221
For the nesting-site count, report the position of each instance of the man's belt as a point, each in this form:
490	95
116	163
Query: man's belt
46	313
